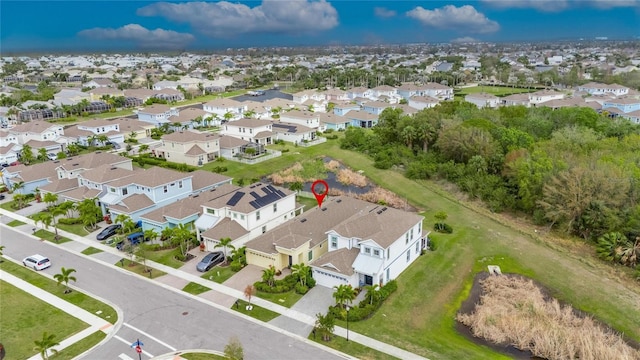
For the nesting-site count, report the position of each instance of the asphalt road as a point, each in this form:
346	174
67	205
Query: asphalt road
162	319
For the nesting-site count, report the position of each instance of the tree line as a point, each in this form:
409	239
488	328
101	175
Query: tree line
571	169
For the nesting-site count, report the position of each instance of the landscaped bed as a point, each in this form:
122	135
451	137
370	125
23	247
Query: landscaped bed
511	310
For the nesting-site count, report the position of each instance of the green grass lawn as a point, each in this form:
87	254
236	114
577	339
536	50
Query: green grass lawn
14	223
166	257
256	311
202	356
91	250
219	274
75	297
139	269
81	346
195	289
495	90
77	229
25	318
9	206
49	236
352	348
287	299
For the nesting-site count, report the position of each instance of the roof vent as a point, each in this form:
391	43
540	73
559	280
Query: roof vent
324	208
76	164
195	196
339	200
303	220
379	212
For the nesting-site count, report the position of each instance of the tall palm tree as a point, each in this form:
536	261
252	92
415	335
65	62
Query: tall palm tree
42	154
610	246
373	292
225	243
102	139
64	277
50	199
121	219
45	346
26	154
303	272
17	186
269	275
344	295
150	234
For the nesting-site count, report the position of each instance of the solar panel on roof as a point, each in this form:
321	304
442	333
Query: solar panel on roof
235	198
255	195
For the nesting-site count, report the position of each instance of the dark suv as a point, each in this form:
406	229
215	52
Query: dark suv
134	239
108	232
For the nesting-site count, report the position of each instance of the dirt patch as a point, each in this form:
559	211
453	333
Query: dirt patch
512	314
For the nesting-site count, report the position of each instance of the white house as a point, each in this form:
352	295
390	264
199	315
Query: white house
482	100
594	88
222	106
304	118
422	102
293	133
157	114
252	130
245	214
542	96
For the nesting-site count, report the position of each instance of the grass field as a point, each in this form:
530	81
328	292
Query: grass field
14	223
202	356
91	250
77	229
50	236
139	269
287	299
219	274
166	257
352	348
421	318
25	318
256	311
494	90
81	346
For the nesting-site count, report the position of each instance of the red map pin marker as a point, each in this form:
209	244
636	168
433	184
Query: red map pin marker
320	196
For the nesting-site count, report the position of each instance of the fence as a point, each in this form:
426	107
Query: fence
269	155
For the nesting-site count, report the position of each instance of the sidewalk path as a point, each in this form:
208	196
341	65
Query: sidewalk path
290	313
95	322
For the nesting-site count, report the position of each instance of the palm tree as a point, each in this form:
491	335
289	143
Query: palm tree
64	277
303	272
150	234
325	325
143	148
344	294
45	219
610	246
42	154
228	116
1	249
50	199
166	234
46	345
73	149
26	154
90	213
225	243
269	275
373	292
121	219
68	207
182	236
91	139
102	139
17	186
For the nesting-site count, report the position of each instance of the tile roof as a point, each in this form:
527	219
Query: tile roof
225	228
152	177
227	142
107	172
243	203
189	136
60	185
195	150
80	193
133	203
187	115
201	179
155	109
282	127
340	261
250	123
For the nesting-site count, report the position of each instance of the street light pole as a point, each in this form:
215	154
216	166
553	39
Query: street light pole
348	308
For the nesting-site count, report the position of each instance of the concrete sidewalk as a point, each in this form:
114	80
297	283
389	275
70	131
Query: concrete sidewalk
95	323
220	288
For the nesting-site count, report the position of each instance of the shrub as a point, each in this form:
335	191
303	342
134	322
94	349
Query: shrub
442	228
301	289
219	169
236	266
331	137
285	150
70	221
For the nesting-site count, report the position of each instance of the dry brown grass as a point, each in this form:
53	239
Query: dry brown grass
384	196
350	177
513	310
288	175
332	165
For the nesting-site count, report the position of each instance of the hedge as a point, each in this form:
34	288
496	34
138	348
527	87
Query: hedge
365	309
290	282
70	221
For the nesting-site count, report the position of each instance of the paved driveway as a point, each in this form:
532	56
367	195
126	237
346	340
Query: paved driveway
317	300
247	276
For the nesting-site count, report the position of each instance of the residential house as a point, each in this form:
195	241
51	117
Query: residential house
232	147
302	96
542	96
437	91
375	107
157	114
37	130
422	102
245	214
359	92
333	121
70	97
361	119
624	104
225	108
304	118
336	95
98	93
252	130
483	100
9	153
516	99
347	241
293	133
98	83
189	147
384	90
633	116
341	109
187	116
594	88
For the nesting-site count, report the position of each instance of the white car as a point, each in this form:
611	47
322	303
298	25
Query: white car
36	262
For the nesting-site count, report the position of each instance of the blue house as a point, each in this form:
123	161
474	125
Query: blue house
625	105
343	109
333	122
362	119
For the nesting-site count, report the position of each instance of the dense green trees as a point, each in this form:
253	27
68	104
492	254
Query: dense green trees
572	168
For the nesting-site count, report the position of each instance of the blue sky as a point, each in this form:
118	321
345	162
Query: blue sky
53	25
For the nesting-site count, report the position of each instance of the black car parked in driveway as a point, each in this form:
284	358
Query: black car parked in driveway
108	232
210	260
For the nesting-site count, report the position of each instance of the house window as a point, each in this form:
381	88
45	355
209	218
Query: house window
334	242
406	238
257	215
241	216
180	184
376	252
388	277
235	215
264	229
211	211
417	246
112	190
310	255
388	254
124	191
275	207
165	189
367	250
411	236
408	255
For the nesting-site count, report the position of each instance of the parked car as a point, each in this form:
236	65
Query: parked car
210	260
134	239
52	156
108	232
36	262
1	196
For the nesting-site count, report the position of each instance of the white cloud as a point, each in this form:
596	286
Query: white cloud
559	5
223	19
158	38
464	40
464	18
384	12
